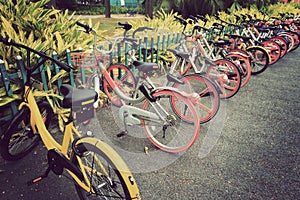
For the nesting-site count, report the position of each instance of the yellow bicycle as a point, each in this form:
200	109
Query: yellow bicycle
96	168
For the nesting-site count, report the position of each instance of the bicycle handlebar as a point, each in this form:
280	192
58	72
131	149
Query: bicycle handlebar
124	25
87	28
181	20
10	42
140	29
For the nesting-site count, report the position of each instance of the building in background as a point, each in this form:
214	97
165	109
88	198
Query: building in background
125	3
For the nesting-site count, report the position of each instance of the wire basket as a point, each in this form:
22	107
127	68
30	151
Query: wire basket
84	59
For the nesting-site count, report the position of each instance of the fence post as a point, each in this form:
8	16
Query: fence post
119	52
140	49
163	43
168	39
126	55
43	76
69	62
145	49
158	48
56	70
7	85
20	65
152	49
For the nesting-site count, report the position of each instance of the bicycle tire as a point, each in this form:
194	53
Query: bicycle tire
282	43
241	59
289	39
273	49
126	84
208	104
296	38
259	58
183	123
106	171
18	140
227	77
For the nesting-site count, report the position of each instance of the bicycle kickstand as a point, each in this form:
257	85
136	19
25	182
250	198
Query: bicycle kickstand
125	132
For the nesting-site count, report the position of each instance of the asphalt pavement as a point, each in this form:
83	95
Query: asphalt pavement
249	151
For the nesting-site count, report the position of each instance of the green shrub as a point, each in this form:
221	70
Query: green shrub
39	28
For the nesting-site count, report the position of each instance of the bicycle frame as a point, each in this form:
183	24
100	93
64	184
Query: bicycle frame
38	126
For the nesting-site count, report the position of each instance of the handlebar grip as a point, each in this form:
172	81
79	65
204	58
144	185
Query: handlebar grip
197	27
125	25
193	18
87	28
182	21
202	18
218	25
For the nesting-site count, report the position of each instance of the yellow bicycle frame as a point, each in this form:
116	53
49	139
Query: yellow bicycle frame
38	126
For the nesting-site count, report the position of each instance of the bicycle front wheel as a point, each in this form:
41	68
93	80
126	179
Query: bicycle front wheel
105	172
124	80
19	139
177	125
227	77
259	59
273	49
242	61
282	43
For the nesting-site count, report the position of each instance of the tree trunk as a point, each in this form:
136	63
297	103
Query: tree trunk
52	3
107	8
149	8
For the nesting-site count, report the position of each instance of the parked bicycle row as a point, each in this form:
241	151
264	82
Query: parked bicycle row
203	70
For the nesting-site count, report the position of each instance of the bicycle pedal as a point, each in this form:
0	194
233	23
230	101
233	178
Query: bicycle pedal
35	180
39	178
123	133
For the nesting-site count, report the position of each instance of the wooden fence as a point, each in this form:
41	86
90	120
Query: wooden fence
12	83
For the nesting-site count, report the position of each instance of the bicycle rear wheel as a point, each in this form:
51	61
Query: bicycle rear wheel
106	172
208	102
19	139
177	125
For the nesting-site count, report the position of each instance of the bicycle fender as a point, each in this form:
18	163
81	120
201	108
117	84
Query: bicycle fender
23	110
117	161
238	52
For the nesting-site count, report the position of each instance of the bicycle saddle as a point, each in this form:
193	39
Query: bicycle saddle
145	66
181	54
76	98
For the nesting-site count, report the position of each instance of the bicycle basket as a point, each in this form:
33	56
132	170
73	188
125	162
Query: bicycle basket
84	60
